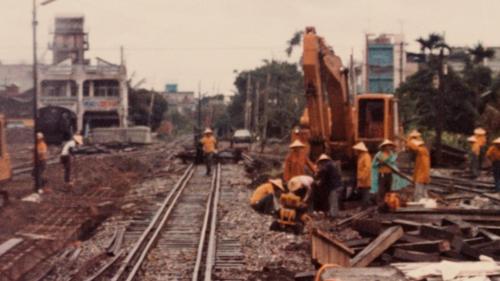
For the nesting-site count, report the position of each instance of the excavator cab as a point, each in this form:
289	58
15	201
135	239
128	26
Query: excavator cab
375	119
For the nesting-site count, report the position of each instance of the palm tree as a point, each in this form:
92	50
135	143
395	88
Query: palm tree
433	42
293	42
479	53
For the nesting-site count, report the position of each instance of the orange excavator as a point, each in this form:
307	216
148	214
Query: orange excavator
335	120
5	167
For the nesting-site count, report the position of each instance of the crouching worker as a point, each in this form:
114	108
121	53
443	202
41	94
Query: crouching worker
263	197
301	186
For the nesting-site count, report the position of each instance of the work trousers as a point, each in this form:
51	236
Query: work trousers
66	162
474	165
42	166
265	205
321	197
209	158
420	191
365	196
334	203
496	174
384	186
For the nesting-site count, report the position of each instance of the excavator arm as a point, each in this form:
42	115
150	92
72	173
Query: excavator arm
328	106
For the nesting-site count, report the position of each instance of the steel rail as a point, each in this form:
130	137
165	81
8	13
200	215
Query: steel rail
212	241
154	225
206	219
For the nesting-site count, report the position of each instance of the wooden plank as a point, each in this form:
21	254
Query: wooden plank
378	246
357	242
9	244
370	227
433	232
406	255
408	225
356	216
435	246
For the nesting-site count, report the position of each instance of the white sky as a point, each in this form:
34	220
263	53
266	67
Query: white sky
187	41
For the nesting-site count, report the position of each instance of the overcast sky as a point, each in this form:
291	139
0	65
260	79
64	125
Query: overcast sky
187	41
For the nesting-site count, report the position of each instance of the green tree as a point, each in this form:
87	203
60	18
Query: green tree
285	96
140	107
479	53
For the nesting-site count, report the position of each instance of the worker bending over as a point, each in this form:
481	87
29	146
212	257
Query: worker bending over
363	172
41	165
66	154
478	146
296	161
263	197
327	181
302	187
422	170
209	148
493	155
382	163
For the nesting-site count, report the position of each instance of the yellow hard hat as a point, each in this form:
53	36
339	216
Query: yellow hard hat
278	183
479	131
496	141
386	142
323	157
360	146
297	143
472	139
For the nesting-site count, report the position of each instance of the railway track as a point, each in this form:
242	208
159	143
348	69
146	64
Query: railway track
180	241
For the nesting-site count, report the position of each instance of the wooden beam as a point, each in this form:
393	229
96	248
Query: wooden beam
414	256
378	246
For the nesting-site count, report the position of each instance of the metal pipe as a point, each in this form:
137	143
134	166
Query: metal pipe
212	241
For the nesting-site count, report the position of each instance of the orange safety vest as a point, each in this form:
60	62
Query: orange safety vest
364	174
208	143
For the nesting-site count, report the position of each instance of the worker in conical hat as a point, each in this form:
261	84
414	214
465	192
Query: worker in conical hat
363	172
41	165
296	161
421	173
209	144
478	149
493	154
382	175
67	153
327	182
264	197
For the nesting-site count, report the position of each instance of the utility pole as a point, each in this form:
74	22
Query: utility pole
264	112
248	103
197	134
256	109
36	169
440	104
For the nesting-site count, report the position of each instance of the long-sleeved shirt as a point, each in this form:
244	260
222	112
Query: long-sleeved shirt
421	173
296	163
364	170
328	176
261	191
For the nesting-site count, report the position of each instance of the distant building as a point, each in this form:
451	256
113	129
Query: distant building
458	56
88	95
70	41
384	64
18	75
182	102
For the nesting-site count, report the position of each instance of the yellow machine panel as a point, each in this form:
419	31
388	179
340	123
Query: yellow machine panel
5	166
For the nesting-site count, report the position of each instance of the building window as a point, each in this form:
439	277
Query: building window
59	88
106	88
86	88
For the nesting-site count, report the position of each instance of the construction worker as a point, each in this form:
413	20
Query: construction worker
296	161
302	187
493	154
414	135
303	135
381	170
422	170
327	181
209	149
41	165
263	197
477	151
363	172
66	154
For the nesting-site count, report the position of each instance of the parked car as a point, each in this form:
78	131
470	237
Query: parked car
242	136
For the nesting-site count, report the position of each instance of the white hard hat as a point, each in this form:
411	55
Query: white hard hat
385	143
323	157
297	143
278	183
207	131
360	146
479	131
39	135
